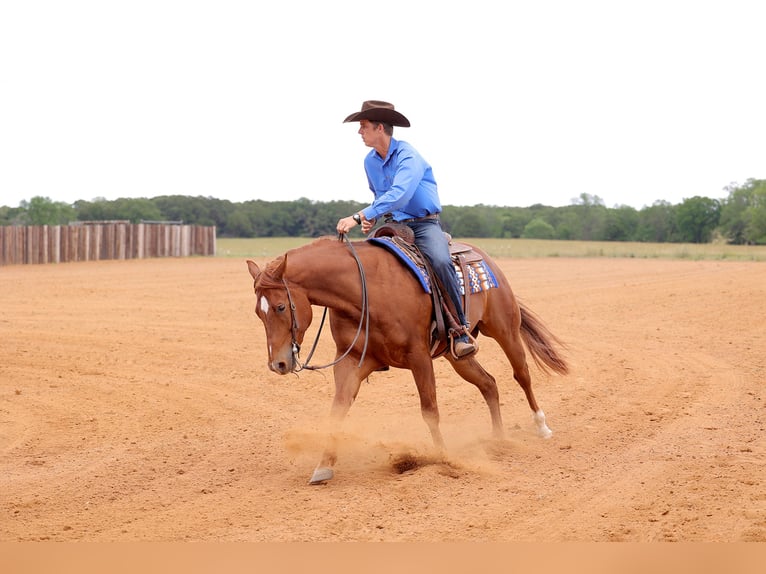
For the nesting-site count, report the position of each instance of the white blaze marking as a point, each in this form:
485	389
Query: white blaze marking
264	304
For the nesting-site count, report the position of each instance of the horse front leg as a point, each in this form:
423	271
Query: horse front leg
425	380
348	378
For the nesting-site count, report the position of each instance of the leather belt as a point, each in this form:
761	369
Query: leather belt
429	216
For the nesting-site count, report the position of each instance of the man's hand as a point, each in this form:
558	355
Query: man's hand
346	224
367	225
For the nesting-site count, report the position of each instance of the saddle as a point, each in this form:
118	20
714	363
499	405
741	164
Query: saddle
445	321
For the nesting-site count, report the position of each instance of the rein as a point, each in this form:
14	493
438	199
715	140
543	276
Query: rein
364	319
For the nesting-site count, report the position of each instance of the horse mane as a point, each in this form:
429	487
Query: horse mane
266	280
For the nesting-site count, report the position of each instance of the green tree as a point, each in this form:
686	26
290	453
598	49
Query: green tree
697	217
591	213
469	224
756	213
743	213
621	224
513	222
42	211
570	225
538	229
11	215
133	210
137	210
733	220
657	223
187	209
238	224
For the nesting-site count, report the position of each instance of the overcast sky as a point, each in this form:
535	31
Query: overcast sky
513	103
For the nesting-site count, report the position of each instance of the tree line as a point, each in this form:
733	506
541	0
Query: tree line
739	218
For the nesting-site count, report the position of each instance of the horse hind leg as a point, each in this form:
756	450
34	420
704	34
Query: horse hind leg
518	360
470	370
543	430
513	347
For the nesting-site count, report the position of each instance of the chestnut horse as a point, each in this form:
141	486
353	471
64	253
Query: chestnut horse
381	316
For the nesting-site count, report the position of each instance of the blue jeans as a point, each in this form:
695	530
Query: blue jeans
430	239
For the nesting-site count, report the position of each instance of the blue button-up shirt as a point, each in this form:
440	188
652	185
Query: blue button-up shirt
403	183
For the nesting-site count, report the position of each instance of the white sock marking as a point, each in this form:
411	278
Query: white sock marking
542	428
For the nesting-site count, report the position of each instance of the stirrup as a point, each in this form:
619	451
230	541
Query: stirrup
454	334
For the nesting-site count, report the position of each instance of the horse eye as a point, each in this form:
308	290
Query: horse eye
281	307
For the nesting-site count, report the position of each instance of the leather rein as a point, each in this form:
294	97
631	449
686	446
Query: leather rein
364	319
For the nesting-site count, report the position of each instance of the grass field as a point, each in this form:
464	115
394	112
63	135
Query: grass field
272	246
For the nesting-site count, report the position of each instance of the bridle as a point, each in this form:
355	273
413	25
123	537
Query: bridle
364	319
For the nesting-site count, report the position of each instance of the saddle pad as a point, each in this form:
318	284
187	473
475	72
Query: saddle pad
410	260
480	276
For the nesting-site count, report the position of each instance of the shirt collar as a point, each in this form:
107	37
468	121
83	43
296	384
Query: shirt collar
391	149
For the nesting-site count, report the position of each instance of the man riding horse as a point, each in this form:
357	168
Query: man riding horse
405	192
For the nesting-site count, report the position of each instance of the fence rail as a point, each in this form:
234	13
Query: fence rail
93	242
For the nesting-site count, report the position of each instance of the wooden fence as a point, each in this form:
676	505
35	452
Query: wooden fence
95	241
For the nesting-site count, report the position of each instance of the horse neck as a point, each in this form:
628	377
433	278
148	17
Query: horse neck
327	274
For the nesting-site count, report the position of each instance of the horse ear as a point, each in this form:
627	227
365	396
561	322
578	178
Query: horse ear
253	268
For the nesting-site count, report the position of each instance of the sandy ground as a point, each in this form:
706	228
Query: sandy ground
135	404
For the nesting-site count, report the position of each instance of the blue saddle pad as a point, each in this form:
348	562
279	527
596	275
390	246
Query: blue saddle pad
480	276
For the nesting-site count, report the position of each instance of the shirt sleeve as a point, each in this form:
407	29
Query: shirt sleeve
408	173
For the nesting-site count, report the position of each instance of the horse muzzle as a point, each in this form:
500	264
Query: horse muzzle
283	367
287	362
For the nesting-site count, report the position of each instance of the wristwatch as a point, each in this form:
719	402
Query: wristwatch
356	218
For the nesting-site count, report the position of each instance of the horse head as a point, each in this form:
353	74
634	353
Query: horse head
286	314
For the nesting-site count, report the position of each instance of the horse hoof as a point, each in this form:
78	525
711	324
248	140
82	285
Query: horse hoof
321	475
542	428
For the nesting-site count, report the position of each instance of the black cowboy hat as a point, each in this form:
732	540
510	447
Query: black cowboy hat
377	111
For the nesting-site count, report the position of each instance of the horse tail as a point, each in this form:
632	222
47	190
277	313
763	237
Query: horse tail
542	344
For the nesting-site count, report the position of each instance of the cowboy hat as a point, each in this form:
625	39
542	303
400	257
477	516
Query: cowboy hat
377	111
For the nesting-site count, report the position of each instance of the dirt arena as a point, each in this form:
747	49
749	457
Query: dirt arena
135	404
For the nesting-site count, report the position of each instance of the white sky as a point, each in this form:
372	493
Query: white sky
513	103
